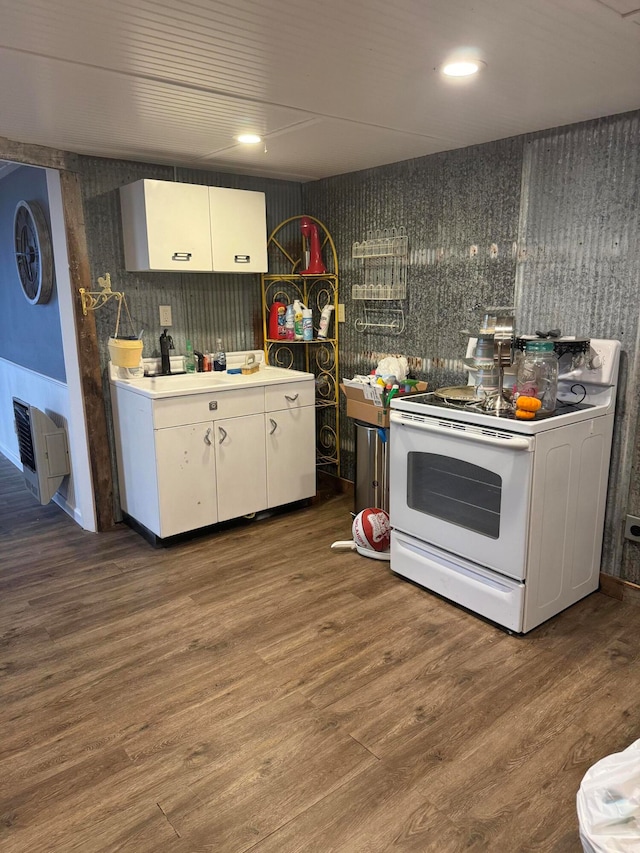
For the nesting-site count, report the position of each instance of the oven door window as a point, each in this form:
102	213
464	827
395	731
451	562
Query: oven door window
455	491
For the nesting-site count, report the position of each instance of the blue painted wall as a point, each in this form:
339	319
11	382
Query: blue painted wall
30	335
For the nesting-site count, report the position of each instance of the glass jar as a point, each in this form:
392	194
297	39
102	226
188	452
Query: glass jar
537	375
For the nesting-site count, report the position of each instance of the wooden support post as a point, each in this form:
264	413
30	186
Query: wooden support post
88	354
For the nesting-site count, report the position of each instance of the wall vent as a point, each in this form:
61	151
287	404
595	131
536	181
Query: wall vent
44	452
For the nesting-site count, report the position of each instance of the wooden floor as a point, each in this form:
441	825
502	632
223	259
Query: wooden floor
253	690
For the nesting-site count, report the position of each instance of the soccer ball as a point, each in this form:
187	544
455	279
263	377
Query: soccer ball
371	530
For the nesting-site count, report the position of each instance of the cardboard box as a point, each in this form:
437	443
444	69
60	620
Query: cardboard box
365	405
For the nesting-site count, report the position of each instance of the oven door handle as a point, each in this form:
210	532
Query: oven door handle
511	443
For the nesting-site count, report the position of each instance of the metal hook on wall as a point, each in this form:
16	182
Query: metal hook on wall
91	300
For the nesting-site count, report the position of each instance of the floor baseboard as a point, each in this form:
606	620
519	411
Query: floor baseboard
620	589
330	482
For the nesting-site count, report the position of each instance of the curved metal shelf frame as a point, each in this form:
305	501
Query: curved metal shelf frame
288	254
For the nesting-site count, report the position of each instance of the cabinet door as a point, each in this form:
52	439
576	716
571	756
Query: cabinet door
185	459
238	230
166	226
241	466
291	463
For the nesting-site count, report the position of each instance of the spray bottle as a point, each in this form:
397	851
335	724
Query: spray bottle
289	323
325	319
298	307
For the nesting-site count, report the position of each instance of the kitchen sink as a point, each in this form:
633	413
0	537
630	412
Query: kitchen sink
187	381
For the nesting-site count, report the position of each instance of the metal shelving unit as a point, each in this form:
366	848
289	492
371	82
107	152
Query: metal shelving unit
288	255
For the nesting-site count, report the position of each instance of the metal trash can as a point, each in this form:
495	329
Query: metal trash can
372	467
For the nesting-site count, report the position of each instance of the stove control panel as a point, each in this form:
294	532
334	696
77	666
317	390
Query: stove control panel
601	365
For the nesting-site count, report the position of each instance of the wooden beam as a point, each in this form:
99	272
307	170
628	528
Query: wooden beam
88	354
37	155
67	164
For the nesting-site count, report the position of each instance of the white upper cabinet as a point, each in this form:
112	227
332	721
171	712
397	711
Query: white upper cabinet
169	226
165	226
238	230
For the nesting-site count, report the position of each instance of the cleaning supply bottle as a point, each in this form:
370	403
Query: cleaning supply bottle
190	360
289	323
325	319
220	357
298	307
307	324
276	321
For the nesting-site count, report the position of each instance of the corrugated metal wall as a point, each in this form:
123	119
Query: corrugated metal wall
447	203
579	241
562	208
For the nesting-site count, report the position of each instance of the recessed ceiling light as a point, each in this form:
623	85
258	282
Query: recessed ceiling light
249	138
462	68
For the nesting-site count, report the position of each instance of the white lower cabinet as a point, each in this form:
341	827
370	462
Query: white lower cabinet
291	462
179	471
241	475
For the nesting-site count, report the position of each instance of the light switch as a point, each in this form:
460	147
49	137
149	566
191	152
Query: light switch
340	312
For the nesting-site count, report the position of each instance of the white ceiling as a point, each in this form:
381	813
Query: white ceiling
333	87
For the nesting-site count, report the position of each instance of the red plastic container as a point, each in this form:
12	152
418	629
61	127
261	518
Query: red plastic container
276	321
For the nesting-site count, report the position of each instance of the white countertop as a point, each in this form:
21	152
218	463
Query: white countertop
158	387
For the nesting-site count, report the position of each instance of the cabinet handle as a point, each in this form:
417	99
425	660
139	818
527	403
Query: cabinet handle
223	434
274	426
207	436
291	399
181	256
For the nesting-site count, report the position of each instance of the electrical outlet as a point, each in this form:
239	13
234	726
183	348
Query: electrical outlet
340	312
632	528
165	315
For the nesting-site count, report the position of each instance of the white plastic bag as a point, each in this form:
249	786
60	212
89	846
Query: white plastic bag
608	803
391	365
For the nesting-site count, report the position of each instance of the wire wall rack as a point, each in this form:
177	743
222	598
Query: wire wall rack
385	320
389	243
384	255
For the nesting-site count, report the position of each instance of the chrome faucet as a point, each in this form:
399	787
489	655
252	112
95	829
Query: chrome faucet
166	344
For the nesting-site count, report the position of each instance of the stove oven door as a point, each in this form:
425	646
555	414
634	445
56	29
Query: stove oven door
462	487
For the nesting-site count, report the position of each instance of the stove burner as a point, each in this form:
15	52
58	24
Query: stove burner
430	399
